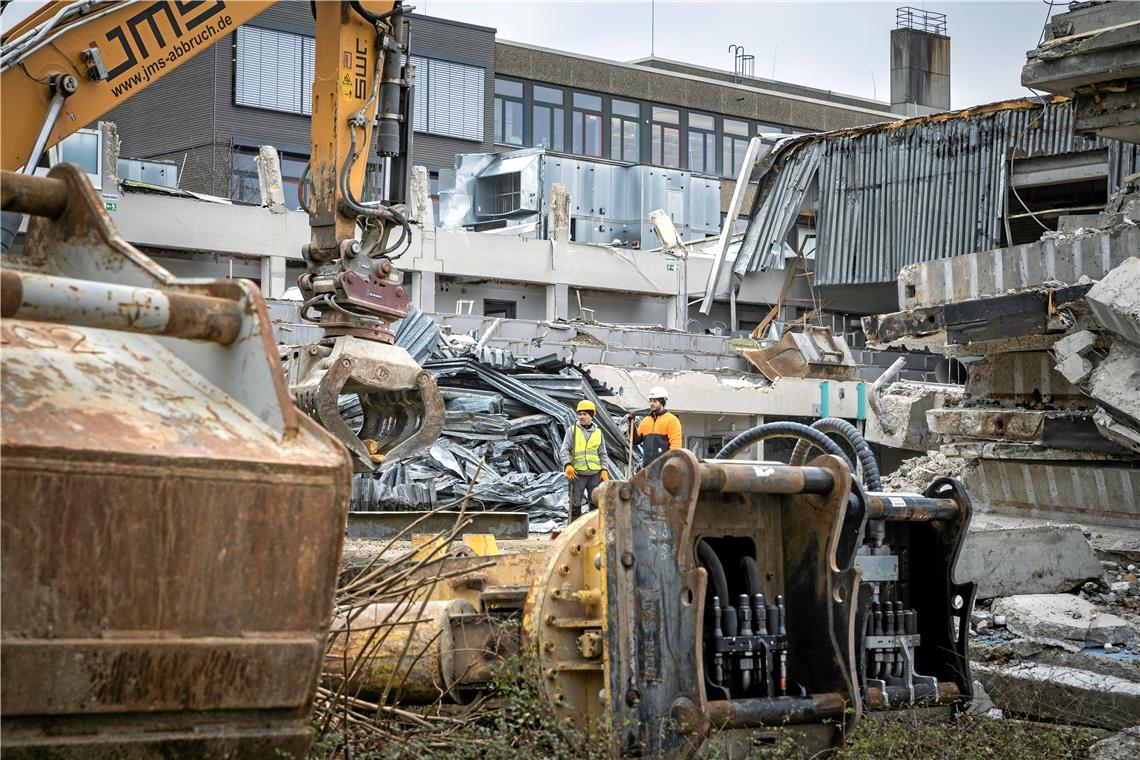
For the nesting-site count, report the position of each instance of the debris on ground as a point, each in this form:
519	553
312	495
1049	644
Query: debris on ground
506	418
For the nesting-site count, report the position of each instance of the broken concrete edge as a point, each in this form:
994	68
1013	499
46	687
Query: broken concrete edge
1062	620
1043	559
1066	695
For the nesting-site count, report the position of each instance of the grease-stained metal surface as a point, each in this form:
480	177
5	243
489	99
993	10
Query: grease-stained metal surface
894	194
171	528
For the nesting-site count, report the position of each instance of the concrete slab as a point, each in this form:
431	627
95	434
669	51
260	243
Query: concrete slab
1115	544
1071	353
1038	559
1066	695
1114	302
1020	377
1062	619
995	273
1103	493
901	422
1124	745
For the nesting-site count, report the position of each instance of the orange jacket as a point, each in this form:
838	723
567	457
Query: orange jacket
657	435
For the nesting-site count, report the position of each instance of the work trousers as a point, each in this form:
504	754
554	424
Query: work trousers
582	486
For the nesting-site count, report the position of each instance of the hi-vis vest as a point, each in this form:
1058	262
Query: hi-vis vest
586	457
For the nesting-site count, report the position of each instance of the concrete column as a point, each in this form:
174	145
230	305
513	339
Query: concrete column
273	276
557	301
423	291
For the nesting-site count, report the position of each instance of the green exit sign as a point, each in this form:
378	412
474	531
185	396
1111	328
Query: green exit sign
670	266
111	205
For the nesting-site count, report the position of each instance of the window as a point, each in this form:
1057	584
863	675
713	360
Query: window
508	112
702	143
84	148
548	118
625	131
665	141
274	70
587	125
496	308
449	99
244	184
735	146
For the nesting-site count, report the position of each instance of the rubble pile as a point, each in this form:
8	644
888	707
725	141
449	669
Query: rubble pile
506	418
1049	334
914	475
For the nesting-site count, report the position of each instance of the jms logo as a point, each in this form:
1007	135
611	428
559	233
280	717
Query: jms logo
360	70
157	25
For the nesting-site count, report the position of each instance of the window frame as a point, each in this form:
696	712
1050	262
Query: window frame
580	117
618	123
502	101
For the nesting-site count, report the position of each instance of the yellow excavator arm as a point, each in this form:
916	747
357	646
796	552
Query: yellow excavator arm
68	63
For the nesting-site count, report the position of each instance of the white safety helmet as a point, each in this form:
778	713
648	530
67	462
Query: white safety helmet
658	392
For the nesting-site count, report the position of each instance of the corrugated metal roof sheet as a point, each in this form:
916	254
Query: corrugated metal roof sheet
895	194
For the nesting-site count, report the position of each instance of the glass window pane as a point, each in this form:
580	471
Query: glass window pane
548	95
701	121
666	115
631	148
696	152
615	139
498	119
710	152
593	135
576	125
559	130
671	147
82	148
541	127
625	108
732	127
512	122
268	71
508	88
726	157
589	102
655	146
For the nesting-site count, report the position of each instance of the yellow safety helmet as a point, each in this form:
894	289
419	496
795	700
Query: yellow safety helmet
587	406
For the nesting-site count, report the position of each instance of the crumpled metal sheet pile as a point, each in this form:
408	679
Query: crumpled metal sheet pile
509	415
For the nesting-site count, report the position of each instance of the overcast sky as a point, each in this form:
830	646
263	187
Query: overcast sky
837	46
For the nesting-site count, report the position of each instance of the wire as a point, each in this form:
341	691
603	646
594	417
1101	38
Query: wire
19	50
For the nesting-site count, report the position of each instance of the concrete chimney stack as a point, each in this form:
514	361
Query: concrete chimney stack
920	62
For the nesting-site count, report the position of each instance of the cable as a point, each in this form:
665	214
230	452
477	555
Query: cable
716	570
854	438
782	430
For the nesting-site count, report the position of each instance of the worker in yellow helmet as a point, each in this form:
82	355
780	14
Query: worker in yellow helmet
584	457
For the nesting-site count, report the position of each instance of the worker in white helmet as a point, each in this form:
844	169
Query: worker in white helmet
659	431
585	458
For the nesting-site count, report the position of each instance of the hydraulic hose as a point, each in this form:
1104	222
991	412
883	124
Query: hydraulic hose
752	575
854	438
720	581
783	430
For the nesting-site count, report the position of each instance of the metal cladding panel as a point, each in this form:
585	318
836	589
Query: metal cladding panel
924	189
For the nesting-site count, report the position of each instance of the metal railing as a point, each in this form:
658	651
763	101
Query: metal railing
908	17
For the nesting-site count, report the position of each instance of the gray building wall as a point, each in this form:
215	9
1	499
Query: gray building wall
190	117
760	83
679	90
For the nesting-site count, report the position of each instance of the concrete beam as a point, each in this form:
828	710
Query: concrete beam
384	525
1019	377
1104	493
994	273
1068	620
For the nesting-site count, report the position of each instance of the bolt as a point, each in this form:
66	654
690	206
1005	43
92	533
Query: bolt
383	268
576	549
627	559
564	570
625	492
345	363
591	532
632	697
548	647
550	619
